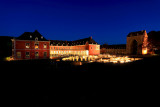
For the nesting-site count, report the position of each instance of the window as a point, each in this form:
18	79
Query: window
36	45
36	39
45	54
36	54
27	45
27	55
18	54
97	47
45	46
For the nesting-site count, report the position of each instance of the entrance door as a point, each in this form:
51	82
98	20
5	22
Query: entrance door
134	47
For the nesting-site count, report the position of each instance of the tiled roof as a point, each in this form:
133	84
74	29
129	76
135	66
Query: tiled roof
73	43
31	36
136	33
120	46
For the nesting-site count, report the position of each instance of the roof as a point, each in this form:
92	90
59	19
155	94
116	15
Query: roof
73	43
119	46
31	36
136	33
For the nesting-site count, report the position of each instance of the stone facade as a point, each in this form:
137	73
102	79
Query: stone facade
137	42
32	45
114	49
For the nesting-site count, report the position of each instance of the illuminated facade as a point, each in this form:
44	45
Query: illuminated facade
137	44
32	45
80	47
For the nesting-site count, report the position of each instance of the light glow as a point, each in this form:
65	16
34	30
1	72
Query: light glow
102	59
144	51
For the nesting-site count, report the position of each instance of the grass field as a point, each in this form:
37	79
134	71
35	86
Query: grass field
46	82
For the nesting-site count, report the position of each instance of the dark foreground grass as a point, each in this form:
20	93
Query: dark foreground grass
47	83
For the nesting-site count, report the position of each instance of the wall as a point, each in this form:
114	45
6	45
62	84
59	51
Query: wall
89	49
113	51
20	46
94	49
56	51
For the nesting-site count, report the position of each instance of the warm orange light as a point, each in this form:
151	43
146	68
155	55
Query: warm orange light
144	51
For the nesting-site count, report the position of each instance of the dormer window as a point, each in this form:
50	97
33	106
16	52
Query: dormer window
30	36
41	37
36	39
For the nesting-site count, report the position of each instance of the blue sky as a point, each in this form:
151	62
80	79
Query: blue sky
107	21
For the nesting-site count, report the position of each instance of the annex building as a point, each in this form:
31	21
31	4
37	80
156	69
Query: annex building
138	43
32	45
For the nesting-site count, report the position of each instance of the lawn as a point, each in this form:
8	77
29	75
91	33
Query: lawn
47	82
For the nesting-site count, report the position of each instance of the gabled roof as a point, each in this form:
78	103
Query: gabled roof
73	43
31	36
136	33
89	40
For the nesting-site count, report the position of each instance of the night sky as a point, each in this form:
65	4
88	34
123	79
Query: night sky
107	21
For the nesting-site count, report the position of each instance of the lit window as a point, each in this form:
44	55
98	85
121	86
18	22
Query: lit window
18	54
36	39
30	36
45	46
27	55
97	47
36	54
36	45
27	45
41	37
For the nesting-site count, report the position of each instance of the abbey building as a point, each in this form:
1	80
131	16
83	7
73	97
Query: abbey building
32	45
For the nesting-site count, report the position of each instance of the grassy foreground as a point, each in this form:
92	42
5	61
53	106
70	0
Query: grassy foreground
42	83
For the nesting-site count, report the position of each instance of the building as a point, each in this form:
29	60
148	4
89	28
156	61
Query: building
114	49
81	47
30	45
137	43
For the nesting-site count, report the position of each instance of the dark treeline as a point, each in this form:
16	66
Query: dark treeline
5	46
